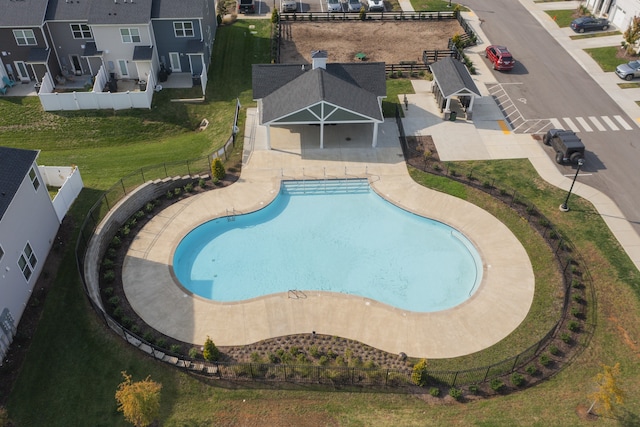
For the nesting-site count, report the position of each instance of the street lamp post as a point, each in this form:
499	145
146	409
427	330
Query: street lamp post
564	207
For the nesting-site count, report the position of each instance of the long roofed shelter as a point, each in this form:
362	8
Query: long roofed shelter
319	94
451	79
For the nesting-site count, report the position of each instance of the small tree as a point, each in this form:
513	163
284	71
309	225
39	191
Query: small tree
419	375
274	16
632	34
139	401
210	352
218	169
607	392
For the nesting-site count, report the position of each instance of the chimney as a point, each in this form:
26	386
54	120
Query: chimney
319	59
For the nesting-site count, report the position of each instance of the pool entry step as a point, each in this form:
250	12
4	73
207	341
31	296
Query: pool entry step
325	186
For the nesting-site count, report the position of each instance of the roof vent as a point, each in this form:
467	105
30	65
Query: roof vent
319	59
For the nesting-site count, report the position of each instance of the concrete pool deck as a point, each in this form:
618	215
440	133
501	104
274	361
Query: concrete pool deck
494	311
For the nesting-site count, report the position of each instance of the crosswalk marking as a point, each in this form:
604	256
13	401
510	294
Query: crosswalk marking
609	123
597	124
556	123
622	122
584	124
571	125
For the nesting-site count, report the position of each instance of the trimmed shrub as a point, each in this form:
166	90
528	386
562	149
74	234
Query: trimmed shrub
162	343
116	242
473	389
118	312
217	169
107	263
126	322
573	326
565	337
272	358
554	350
109	276
111	253
193	353
323	361
202	183
419	374
313	351
148	337
210	352
188	188
434	391
496	385
456	393
149	207
544	360
517	379
255	357
531	370
114	301
175	348
108	291
177	191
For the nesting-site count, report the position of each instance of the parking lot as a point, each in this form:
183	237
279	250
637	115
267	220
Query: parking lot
310	6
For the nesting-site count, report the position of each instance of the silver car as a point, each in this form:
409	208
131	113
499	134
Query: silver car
334	6
354	5
288	5
629	70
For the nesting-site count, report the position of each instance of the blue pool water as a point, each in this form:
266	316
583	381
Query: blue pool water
334	235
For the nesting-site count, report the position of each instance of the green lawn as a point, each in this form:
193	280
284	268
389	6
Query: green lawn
74	364
435	5
606	57
562	17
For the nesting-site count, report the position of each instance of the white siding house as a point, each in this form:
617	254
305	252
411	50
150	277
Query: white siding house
619	12
28	227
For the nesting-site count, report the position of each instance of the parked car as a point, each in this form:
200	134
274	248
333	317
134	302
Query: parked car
246	6
288	6
334	6
629	70
500	57
589	23
354	5
566	144
376	6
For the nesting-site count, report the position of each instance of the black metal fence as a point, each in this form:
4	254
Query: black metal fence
568	258
369	16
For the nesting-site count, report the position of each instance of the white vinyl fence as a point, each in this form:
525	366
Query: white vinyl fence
69	183
96	99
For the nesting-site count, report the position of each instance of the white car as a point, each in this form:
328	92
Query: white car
334	6
354	5
288	6
376	6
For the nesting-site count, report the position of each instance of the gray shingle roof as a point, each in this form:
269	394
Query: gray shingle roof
23	13
452	76
14	166
287	88
68	10
167	9
109	12
316	86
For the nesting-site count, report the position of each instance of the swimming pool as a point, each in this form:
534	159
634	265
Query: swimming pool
335	236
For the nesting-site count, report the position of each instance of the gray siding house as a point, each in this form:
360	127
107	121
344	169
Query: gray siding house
184	33
25	48
67	24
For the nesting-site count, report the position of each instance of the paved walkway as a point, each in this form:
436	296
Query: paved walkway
508	284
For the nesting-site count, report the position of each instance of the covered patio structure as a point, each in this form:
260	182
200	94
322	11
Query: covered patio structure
451	80
321	94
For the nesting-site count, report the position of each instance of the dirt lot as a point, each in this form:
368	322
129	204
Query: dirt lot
390	42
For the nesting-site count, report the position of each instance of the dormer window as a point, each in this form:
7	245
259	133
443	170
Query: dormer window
33	176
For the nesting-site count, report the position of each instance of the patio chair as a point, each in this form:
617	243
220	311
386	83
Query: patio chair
8	82
3	90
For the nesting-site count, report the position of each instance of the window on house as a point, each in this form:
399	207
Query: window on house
34	179
130	35
25	37
1	253
81	31
27	261
183	29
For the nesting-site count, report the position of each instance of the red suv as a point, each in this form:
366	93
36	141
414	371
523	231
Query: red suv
500	57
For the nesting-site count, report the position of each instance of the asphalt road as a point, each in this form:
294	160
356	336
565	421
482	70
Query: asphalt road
547	84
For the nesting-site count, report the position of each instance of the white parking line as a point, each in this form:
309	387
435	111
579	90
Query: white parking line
571	125
584	124
609	123
597	124
622	122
